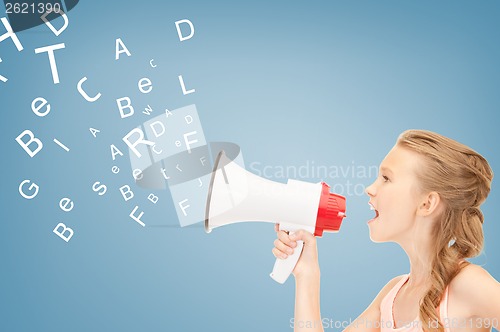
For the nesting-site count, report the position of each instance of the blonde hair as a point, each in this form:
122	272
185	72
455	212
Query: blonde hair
462	178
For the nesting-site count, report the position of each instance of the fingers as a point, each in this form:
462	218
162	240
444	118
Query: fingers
286	244
285	238
279	254
283	246
302	235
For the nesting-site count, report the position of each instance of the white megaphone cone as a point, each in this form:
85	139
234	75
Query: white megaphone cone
236	195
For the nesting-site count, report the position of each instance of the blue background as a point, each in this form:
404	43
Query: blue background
326	82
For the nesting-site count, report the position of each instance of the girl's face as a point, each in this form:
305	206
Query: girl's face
394	196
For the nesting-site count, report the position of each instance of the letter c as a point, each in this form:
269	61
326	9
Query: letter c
84	94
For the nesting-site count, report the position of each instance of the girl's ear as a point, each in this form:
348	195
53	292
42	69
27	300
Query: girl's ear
430	204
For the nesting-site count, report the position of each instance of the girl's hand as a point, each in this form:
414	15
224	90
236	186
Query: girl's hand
285	244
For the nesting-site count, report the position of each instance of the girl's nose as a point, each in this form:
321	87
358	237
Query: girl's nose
371	190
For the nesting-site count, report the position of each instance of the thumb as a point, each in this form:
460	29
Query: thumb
302	235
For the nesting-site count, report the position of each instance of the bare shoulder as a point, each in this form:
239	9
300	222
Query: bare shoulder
471	279
365	321
477	291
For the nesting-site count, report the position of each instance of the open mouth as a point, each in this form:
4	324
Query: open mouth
376	212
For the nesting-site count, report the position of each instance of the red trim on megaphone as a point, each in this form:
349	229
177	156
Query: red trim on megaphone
331	211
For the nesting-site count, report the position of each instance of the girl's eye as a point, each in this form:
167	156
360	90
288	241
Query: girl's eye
385	178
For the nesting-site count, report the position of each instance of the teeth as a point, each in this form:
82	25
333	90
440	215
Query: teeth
373	209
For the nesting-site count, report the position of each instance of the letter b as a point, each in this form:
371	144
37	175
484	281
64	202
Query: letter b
32	139
65	229
126	192
122	107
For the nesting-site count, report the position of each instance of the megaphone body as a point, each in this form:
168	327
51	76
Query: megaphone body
236	195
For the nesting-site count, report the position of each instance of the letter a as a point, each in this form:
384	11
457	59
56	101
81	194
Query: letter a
115	151
123	50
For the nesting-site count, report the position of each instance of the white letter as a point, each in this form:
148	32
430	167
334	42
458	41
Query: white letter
32	139
61	145
65	229
181	80
153	198
154	150
84	94
189	119
142	85
35	108
123	50
163	171
31	187
138	219
179	32
3	78
52	60
184	207
121	107
102	187
148	110
140	140
128	191
151	63
66	204
94	131
137	174
255	170
187	142
10	34
56	32
115	151
152	125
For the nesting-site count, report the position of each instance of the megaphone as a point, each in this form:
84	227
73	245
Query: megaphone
236	195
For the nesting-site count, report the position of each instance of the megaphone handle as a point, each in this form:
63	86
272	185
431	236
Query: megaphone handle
284	267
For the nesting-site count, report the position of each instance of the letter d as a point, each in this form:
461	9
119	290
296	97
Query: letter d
179	32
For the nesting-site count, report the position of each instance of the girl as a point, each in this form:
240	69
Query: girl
426	198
